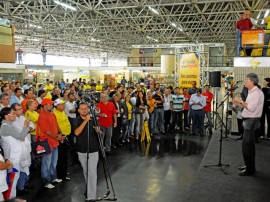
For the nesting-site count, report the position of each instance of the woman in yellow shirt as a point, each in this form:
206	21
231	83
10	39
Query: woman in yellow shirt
31	112
127	116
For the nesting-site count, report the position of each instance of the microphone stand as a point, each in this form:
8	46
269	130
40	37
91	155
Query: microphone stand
104	159
219	164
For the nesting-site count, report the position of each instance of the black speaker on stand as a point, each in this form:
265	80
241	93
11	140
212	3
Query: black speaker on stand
215	79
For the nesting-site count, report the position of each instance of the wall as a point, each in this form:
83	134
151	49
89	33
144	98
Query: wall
7	53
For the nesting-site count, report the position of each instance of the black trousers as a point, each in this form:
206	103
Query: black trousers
167	119
71	137
116	136
177	119
262	129
62	162
240	127
248	144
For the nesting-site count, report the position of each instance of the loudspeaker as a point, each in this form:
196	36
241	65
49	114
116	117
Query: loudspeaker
214	79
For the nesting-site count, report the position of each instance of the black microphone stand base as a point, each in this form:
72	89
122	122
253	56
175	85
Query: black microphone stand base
219	165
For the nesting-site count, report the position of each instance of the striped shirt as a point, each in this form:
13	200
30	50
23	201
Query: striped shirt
178	101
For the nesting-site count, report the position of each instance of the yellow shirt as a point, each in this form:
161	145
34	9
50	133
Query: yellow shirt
63	122
34	118
129	106
48	95
99	88
86	87
267	20
49	87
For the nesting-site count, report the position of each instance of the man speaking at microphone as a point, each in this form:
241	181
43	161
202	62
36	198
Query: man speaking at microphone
87	143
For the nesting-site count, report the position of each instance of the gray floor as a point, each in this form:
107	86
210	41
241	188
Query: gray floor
162	173
210	184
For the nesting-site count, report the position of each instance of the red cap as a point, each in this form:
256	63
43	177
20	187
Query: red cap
46	101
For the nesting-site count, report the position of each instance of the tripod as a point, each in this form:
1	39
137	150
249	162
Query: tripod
104	159
221	139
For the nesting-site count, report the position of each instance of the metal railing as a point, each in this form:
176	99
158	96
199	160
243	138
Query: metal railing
221	61
144	61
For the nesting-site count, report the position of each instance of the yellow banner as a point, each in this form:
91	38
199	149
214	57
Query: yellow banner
189	69
255	37
5	36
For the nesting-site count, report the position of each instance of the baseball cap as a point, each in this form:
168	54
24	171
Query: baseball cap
46	101
59	101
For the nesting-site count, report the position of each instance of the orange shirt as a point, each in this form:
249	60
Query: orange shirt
151	104
23	104
208	97
47	122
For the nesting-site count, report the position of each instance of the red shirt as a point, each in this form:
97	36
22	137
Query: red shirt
109	110
209	97
187	97
244	24
47	122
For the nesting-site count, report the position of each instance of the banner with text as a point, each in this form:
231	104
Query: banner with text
189	69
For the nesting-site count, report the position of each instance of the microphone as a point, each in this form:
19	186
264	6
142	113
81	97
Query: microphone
233	88
227	94
239	81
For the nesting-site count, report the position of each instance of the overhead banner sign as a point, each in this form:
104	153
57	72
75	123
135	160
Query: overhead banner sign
189	69
254	37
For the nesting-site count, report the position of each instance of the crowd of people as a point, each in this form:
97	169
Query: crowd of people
60	114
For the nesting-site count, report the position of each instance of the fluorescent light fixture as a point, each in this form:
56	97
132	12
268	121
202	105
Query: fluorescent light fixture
151	38
17	37
92	39
173	24
65	5
262	22
266	13
30	39
153	10
259	15
35	26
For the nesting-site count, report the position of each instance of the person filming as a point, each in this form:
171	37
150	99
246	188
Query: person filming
87	142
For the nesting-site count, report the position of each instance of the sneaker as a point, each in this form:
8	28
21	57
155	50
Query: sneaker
57	180
67	179
49	186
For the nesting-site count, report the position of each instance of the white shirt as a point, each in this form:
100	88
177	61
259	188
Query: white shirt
167	102
70	106
196	99
255	100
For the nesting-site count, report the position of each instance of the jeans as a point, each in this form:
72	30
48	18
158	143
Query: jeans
152	122
23	180
177	119
238	42
107	135
266	41
197	121
248	144
209	119
126	130
159	120
48	167
186	120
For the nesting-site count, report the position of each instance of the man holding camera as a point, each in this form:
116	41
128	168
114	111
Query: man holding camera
87	143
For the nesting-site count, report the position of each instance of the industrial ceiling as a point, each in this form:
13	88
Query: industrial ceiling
85	28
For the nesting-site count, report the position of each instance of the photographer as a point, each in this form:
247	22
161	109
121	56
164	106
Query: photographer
87	144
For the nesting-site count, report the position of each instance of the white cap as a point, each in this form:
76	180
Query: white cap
141	84
59	101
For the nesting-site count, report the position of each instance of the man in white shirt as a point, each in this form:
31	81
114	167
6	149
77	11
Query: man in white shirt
70	110
167	108
197	102
25	160
252	111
